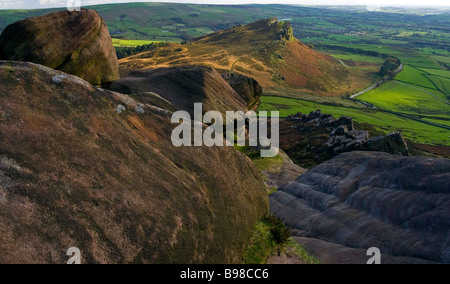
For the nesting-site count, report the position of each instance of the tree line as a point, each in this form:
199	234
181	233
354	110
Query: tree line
123	52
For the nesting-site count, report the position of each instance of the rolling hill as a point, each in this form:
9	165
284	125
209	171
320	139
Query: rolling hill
265	50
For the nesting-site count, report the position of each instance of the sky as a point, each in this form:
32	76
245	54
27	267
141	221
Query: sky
36	4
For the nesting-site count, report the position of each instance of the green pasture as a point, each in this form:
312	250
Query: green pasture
130	43
443	84
414	76
405	98
414	130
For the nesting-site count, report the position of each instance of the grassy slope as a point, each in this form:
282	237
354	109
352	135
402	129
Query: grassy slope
386	122
438	72
414	76
421	75
262	247
130	43
442	84
407	99
264	50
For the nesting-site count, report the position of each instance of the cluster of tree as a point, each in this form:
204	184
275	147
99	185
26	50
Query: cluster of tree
389	66
123	52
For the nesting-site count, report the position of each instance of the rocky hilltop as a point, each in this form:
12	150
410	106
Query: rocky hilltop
183	86
77	43
264	50
248	88
95	169
312	138
360	200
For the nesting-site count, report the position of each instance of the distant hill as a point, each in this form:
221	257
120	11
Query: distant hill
177	22
265	50
160	21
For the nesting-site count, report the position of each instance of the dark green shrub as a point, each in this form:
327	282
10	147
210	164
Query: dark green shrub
280	234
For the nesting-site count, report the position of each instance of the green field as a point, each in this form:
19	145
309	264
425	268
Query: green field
414	76
445	59
130	43
442	121
438	72
407	99
443	84
413	130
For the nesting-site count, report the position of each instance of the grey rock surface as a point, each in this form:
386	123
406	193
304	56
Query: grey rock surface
372	199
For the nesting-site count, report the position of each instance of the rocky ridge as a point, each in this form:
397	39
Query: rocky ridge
343	137
248	88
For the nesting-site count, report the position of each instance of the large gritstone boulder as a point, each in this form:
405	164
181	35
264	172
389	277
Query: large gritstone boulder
77	43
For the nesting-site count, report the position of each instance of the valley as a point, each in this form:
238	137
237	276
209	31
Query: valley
357	37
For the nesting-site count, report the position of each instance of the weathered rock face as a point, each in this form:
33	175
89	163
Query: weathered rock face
248	88
184	86
317	137
94	169
377	143
371	199
397	143
77	43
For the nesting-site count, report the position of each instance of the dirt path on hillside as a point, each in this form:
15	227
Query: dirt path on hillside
377	84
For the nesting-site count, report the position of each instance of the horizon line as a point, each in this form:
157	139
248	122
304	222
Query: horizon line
413	6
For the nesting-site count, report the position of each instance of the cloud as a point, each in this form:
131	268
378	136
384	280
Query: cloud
9	4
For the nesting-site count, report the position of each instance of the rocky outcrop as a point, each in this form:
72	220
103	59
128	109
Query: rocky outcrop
322	136
265	50
360	200
377	143
94	169
77	43
248	88
397	143
184	86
